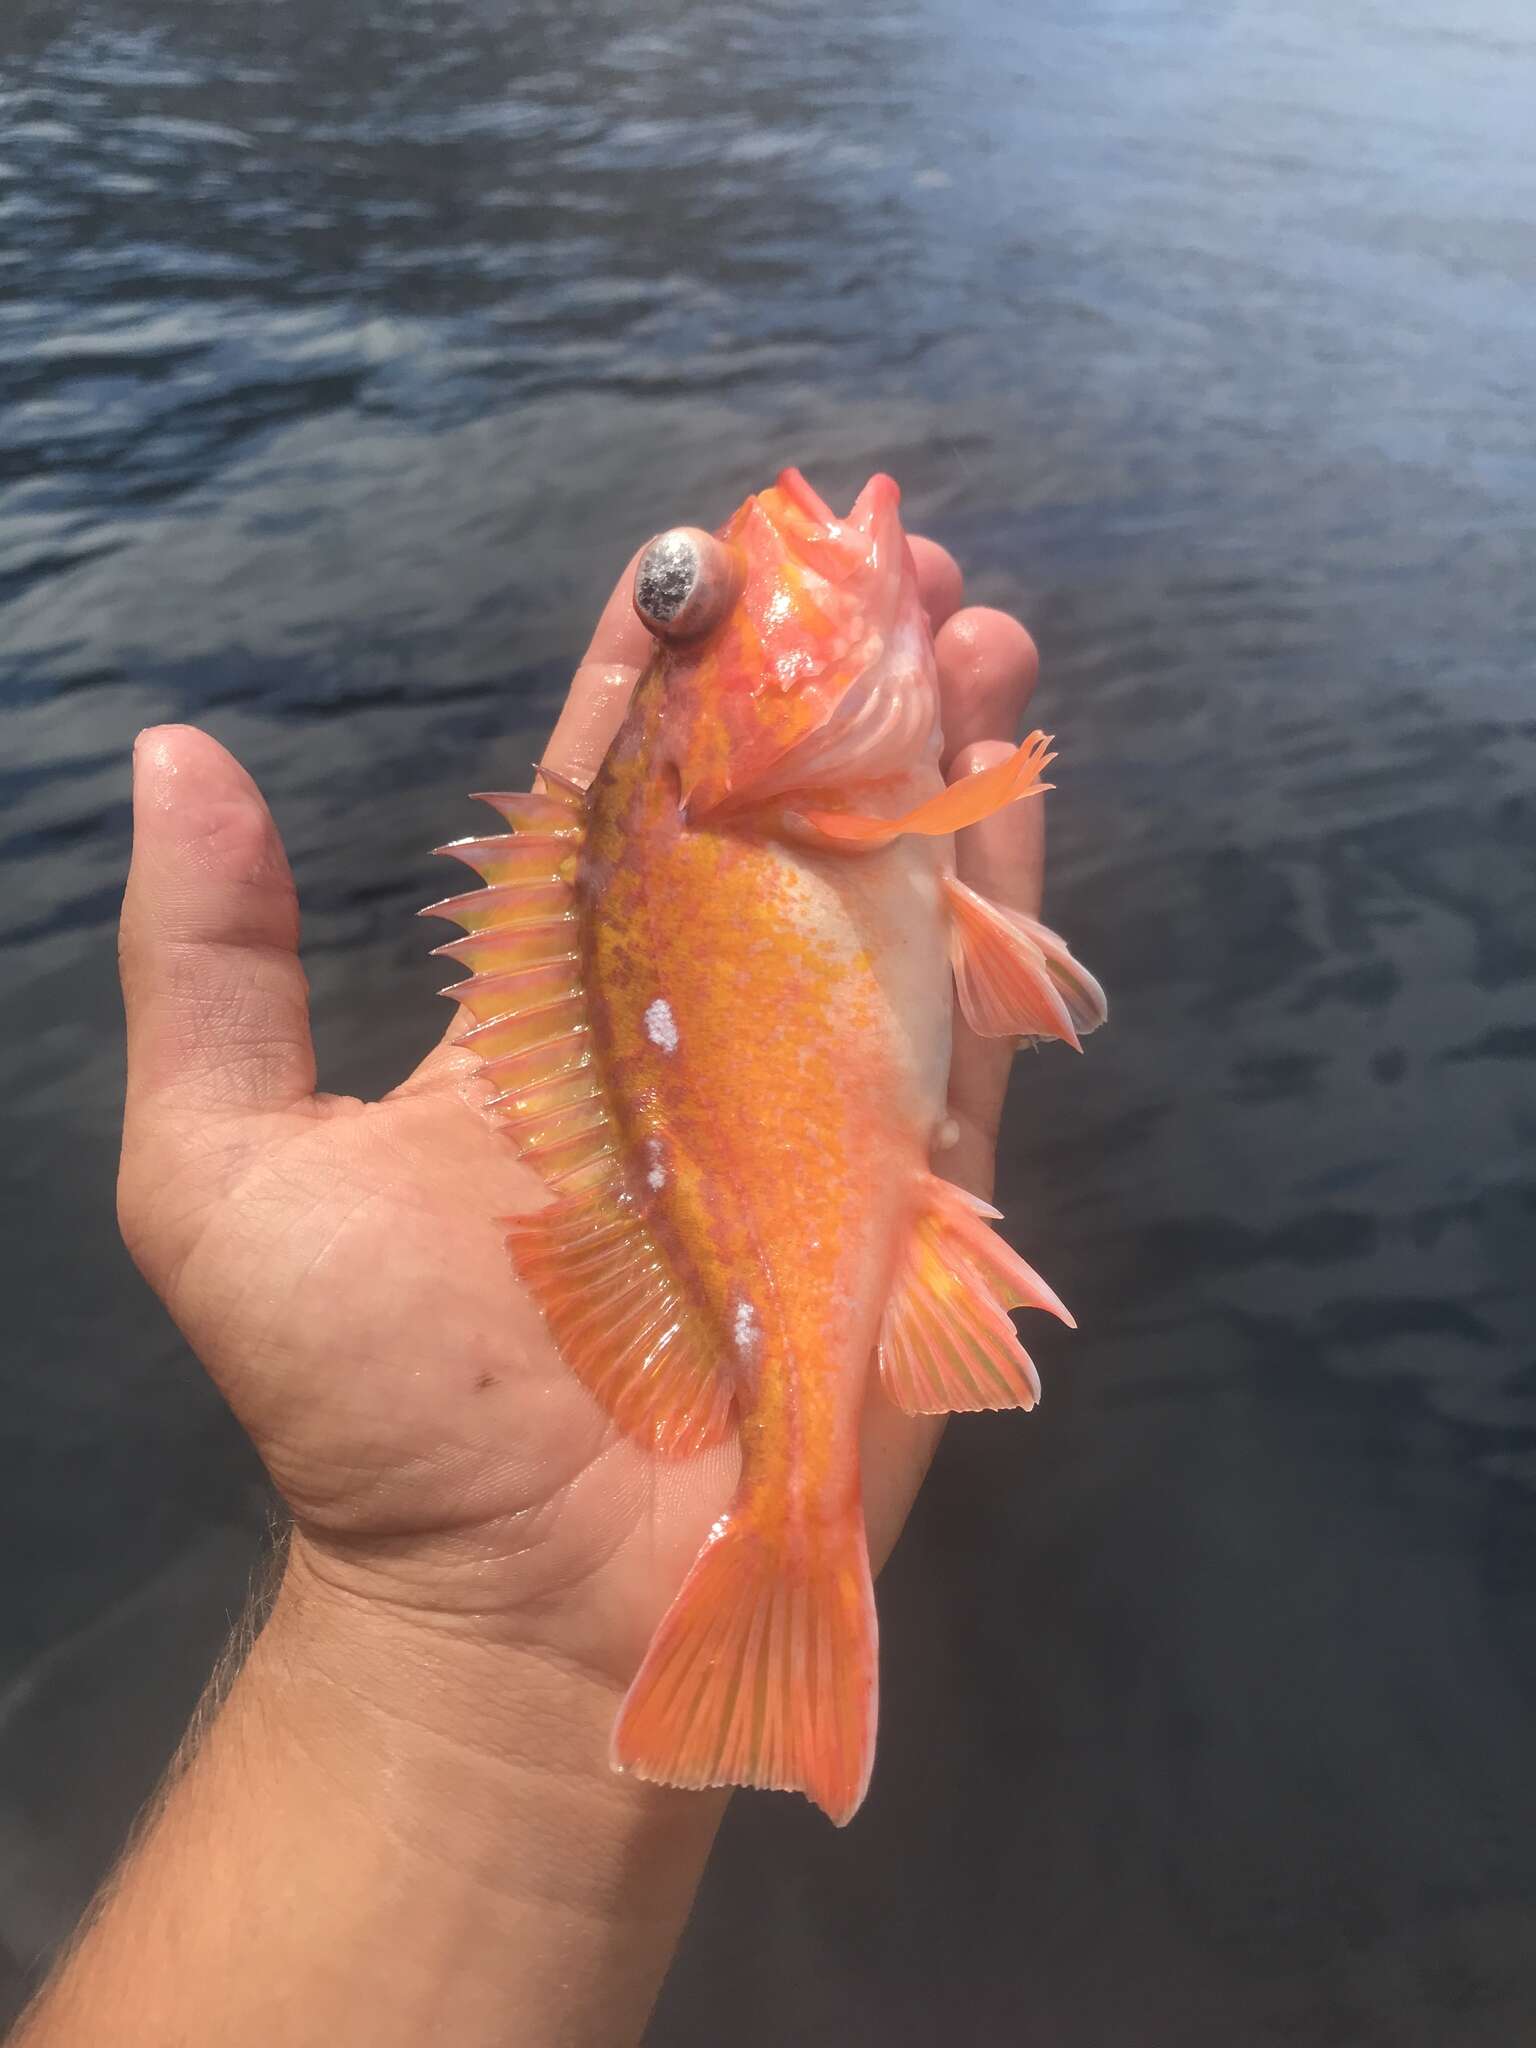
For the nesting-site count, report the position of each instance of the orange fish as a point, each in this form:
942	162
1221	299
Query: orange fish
714	991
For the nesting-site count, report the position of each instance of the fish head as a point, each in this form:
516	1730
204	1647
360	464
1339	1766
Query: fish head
793	646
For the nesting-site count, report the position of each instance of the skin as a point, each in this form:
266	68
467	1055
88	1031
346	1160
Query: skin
398	1823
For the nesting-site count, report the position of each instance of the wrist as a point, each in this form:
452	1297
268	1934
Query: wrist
387	1833
481	1753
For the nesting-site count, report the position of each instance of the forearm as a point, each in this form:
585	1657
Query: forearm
386	1836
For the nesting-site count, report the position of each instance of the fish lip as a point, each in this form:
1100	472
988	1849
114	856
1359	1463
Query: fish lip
877	504
874	511
794	486
876	516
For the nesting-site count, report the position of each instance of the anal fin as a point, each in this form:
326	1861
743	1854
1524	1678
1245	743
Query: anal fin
947	1345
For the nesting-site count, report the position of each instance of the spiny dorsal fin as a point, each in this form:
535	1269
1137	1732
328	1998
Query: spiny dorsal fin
589	1259
523	995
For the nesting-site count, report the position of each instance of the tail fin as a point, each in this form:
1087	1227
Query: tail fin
763	1671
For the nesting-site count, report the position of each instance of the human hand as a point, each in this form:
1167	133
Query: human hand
337	1266
399	1821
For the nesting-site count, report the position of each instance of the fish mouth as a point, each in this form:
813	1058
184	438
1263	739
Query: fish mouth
867	542
874	700
862	560
832	649
877	504
872	510
876	517
799	493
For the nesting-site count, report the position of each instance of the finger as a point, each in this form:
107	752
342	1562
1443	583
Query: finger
591	715
939	581
602	686
1002	858
589	719
619	637
895	1451
987	670
217	1004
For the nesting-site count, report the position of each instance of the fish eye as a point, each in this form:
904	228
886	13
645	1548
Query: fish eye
685	583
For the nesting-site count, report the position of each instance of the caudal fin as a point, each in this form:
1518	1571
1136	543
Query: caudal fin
763	1672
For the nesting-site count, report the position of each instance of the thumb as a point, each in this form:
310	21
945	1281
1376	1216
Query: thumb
217	1004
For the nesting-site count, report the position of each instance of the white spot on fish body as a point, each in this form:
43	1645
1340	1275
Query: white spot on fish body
746	1329
656	1177
661	1025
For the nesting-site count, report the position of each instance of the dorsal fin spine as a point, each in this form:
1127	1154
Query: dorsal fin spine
589	1259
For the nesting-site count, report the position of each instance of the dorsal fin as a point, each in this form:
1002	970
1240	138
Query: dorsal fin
589	1259
621	1321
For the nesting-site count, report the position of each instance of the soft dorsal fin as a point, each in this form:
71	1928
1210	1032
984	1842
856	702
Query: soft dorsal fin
621	1321
589	1259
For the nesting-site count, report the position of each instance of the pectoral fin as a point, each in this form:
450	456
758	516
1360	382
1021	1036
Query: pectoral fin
947	1346
965	802
1014	978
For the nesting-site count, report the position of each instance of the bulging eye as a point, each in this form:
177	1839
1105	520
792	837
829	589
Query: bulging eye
685	583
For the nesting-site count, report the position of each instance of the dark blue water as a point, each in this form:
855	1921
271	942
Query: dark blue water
344	353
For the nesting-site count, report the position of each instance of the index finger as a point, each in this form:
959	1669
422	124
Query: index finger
601	687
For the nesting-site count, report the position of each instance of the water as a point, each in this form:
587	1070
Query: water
344	353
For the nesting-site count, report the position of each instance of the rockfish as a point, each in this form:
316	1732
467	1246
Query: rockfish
714	991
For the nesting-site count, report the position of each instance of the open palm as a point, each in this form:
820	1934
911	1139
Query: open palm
337	1265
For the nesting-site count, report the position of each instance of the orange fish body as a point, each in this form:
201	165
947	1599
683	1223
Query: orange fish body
717	989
